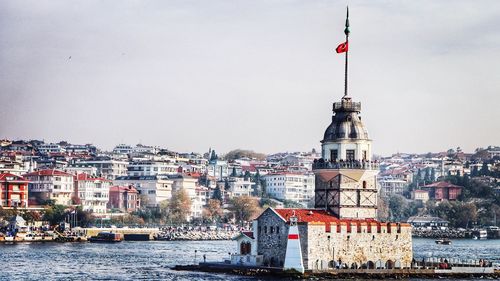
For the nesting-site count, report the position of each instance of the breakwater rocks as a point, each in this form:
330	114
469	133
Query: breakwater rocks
197	235
439	233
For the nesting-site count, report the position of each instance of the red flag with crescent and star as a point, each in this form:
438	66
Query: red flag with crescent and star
342	48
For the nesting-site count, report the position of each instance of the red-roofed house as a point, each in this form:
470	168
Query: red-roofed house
13	191
125	198
50	184
443	190
92	192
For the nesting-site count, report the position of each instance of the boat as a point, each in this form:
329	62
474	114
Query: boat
443	241
106	237
480	234
9	238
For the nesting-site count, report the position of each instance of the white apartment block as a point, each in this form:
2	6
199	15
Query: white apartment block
50	185
237	187
290	186
141	149
218	169
390	186
106	168
122	149
189	184
152	189
50	148
151	168
93	193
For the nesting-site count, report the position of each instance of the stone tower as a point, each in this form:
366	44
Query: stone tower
346	176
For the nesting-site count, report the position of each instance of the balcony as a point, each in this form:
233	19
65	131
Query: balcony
346	106
362	165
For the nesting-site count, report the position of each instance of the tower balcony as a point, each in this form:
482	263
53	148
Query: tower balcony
354	164
346	105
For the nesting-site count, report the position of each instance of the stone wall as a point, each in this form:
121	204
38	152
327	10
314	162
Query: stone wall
272	245
369	242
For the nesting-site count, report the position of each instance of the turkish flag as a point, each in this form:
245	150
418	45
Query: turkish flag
342	48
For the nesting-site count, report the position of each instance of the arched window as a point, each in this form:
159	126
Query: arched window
245	248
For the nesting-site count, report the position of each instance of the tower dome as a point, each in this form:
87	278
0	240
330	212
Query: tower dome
346	123
346	138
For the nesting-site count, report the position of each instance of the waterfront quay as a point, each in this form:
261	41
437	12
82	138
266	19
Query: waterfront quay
169	233
432	271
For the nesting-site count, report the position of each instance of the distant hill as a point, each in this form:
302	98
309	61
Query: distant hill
241	153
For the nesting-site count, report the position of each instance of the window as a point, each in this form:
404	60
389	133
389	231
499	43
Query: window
271	229
265	229
278	230
349	154
334	153
364	184
365	155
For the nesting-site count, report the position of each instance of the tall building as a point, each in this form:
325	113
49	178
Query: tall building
92	192
50	184
297	187
343	227
346	176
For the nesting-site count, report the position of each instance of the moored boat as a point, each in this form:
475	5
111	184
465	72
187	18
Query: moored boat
106	237
443	241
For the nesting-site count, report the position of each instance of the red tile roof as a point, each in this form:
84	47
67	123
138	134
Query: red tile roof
48	172
307	215
442	184
248	233
3	176
87	177
123	189
314	215
322	216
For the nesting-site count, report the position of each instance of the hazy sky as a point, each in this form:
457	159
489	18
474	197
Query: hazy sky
261	75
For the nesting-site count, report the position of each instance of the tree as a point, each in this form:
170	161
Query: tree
164	211
247	175
475	172
180	206
54	214
397	207
244	208
427	177
217	195
292	204
485	171
433	174
213	156
382	210
267	202
226	184
213	211
233	173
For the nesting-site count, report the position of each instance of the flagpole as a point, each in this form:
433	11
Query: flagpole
346	31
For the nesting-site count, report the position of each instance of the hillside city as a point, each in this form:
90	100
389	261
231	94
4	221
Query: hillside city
47	183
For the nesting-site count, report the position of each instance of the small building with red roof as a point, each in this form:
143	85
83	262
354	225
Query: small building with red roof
13	191
124	198
442	190
92	192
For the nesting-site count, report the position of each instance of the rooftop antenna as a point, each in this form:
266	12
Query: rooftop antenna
344	48
346	31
